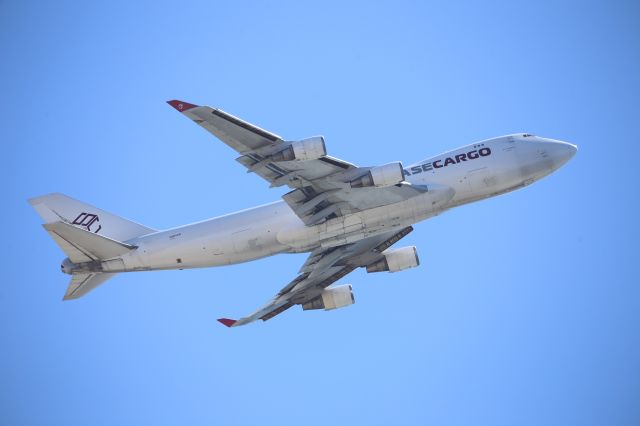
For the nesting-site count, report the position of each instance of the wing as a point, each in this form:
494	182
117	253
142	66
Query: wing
322	268
323	187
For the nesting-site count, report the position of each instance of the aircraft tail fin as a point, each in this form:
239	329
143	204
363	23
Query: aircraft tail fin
86	234
61	208
82	284
82	246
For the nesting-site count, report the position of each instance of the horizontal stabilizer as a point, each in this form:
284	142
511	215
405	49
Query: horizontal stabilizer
83	246
82	284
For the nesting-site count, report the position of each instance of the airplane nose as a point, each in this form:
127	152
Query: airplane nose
559	152
563	152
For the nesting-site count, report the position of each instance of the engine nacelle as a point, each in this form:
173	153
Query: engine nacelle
396	260
332	298
387	175
306	149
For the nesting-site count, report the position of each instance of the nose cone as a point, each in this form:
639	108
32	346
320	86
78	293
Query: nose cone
559	152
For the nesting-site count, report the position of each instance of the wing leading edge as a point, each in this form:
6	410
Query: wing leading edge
321	186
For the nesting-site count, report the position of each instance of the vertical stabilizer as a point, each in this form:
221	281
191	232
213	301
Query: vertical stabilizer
60	208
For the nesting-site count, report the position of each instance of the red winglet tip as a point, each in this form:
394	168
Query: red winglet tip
181	106
226	321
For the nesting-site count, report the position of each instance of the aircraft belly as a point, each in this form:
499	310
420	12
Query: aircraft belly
357	226
230	239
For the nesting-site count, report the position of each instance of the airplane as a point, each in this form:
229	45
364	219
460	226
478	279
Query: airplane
344	216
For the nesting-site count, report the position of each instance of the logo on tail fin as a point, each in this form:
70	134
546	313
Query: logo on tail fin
87	220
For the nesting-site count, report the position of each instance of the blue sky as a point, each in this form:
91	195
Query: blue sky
525	309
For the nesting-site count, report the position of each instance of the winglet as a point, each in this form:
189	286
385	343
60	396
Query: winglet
228	322
181	106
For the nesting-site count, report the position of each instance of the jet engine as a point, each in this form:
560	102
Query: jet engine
387	175
396	260
306	149
332	298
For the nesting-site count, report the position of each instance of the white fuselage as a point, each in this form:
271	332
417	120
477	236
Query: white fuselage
468	174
